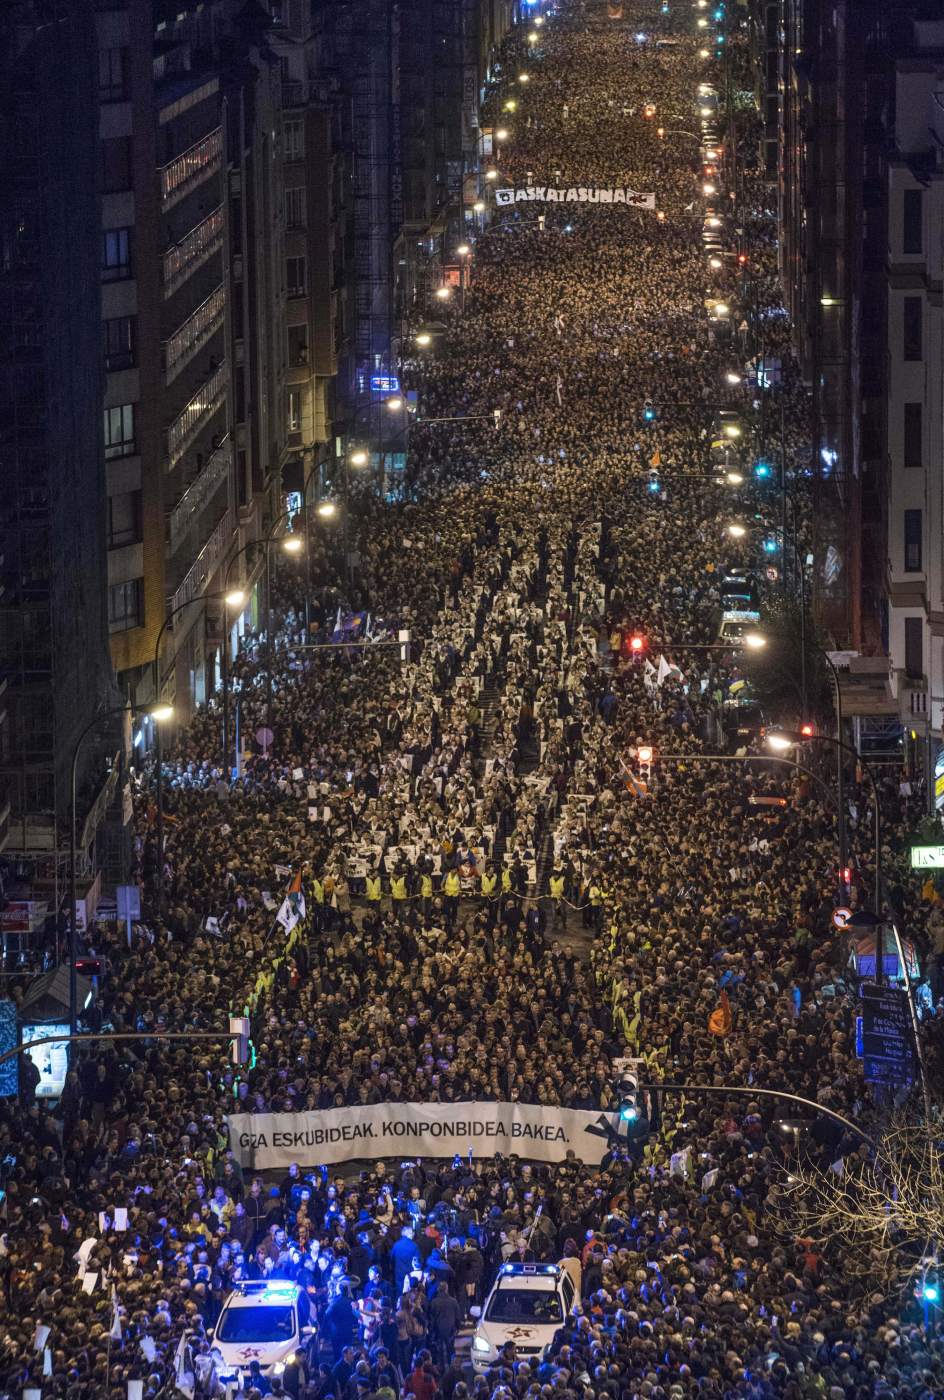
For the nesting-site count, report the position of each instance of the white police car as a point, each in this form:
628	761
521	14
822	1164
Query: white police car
527	1304
264	1321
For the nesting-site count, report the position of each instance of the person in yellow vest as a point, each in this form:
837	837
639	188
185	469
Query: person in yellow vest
452	888
398	893
426	891
506	879
488	882
557	884
595	894
374	890
317	904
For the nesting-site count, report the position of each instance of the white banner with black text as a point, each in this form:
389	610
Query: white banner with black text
542	1134
577	194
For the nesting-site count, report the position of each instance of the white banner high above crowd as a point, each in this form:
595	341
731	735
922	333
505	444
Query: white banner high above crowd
576	194
260	1141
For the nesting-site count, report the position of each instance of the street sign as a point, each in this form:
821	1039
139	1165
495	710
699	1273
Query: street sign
927	857
887	1041
384	384
841	916
128	901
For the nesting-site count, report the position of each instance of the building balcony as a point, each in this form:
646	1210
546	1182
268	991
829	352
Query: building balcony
190	337
185	513
193	250
186	171
188	425
195	580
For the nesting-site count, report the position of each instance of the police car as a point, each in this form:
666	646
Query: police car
264	1321
527	1305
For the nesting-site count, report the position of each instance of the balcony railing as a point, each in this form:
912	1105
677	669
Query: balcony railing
185	171
198	575
192	251
190	338
187	510
196	415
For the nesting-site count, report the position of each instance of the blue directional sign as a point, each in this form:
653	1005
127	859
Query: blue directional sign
887	1040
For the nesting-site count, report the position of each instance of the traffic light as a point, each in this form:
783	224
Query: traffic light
762	470
239	1044
845	876
807	730
931	1293
628	1089
655	485
648	412
742	259
635	644
660	132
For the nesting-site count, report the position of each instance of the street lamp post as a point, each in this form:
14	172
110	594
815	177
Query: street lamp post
292	544
233	599
160	713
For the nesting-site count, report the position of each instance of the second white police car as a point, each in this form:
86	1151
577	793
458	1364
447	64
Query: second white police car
527	1305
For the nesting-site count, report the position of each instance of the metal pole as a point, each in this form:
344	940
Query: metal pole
840	776
160	818
224	676
269	648
307	552
73	892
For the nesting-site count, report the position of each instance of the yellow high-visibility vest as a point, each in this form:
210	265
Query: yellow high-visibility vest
557	887
374	888
398	887
317	891
488	884
452	886
426	886
506	880
596	895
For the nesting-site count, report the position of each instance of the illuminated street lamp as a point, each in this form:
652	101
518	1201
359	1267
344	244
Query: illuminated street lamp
293	544
359	458
327	510
734	479
736	531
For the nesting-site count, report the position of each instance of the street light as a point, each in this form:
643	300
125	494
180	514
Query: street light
737	532
327	510
161	714
501	134
491	174
783	740
394	403
443	293
359	458
732	377
734	478
424	339
293	544
478	207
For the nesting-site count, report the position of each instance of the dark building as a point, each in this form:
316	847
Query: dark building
55	670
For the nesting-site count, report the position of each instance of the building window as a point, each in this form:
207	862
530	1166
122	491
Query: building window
298	345
119	343
116	164
911	326
116	254
911	221
119	431
295	276
914	648
125	605
294	413
912	541
124	519
295	207
112	75
294	139
912	451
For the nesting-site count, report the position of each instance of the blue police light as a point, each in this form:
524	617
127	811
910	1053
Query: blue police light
931	1293
762	469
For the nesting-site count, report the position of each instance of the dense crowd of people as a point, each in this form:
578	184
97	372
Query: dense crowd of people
503	890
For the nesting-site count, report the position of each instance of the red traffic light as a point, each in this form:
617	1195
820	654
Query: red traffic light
846	874
636	644
742	259
807	730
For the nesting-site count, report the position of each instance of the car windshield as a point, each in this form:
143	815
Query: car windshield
256	1325
524	1305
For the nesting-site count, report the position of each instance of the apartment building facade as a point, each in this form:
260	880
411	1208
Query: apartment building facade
55	673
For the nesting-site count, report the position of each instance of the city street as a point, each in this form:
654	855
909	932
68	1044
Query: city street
479	873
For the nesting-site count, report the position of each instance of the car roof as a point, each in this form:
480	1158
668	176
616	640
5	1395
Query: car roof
538	1276
275	1293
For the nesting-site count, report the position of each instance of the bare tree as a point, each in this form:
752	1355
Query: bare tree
883	1210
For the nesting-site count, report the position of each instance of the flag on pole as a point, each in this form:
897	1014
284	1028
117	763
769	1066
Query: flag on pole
559	386
296	896
183	1375
656	459
664	671
635	785
115	1332
722	1018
